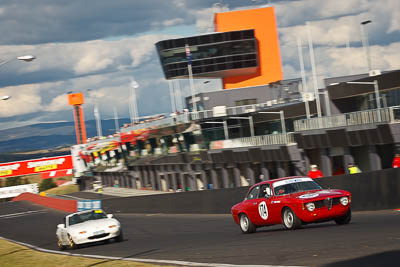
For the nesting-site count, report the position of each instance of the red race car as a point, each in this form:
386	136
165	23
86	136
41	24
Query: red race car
291	201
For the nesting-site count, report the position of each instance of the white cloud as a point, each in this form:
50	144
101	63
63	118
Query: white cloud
24	99
58	103
394	7
92	61
172	22
106	67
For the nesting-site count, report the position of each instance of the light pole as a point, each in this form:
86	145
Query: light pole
98	120
116	119
313	68
172	97
364	39
191	82
27	58
133	102
303	76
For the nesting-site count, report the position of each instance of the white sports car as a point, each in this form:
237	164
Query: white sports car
87	227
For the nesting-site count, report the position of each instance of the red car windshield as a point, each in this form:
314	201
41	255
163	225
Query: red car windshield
291	188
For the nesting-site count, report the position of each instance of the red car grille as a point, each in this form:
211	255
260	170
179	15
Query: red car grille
327	202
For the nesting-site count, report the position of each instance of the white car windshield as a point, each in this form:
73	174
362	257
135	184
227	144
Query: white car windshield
295	187
87	216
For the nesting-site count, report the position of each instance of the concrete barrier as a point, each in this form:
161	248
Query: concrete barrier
54	203
374	190
370	191
218	201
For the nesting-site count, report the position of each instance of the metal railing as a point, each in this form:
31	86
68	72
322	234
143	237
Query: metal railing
204	114
231	111
373	116
168	121
261	140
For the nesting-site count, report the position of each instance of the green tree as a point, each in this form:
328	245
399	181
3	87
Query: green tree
46	184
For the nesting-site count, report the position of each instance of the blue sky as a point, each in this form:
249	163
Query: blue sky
80	45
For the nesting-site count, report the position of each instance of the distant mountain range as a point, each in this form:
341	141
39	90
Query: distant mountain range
46	136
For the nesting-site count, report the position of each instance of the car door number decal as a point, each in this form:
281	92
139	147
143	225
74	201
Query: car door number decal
263	210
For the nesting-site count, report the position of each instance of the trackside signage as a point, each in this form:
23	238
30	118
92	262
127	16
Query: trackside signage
88	205
13	191
35	166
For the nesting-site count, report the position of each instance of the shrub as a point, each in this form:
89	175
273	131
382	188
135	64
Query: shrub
46	184
12	181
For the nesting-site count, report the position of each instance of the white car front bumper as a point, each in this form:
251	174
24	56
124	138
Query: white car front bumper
98	235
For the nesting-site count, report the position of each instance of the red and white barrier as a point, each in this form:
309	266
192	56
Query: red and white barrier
54	203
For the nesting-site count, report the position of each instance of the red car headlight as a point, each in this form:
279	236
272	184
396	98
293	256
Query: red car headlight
344	201
310	206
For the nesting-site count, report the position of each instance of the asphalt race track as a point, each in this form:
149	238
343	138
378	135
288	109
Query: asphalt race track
372	238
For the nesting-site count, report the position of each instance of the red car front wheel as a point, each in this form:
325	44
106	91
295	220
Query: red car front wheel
345	219
290	220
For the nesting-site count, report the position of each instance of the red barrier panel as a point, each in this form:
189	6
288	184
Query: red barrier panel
54	203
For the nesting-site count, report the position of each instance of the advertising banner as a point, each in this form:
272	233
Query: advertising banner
13	191
35	166
55	174
88	205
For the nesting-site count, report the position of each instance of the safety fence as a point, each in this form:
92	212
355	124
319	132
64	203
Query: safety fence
164	122
261	140
383	115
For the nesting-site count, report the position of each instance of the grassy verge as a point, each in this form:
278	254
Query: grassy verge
62	190
13	255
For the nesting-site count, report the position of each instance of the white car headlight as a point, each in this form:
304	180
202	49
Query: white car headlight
344	201
310	206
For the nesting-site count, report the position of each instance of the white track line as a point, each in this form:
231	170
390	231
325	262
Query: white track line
19	214
184	263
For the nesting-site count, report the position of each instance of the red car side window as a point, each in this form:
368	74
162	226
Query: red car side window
253	193
263	191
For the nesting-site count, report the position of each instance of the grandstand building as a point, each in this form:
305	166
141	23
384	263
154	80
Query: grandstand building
264	124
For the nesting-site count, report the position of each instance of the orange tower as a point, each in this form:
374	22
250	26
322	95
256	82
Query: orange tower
76	100
262	20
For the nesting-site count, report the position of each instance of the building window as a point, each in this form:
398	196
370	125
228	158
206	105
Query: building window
245	102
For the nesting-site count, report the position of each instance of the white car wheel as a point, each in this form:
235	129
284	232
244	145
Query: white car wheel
60	244
120	237
71	243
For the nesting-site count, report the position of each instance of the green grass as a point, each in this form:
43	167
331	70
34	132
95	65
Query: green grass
62	190
14	255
